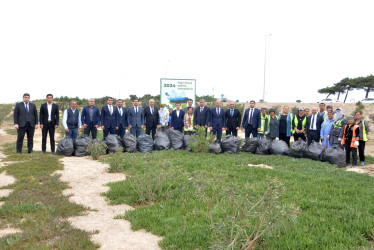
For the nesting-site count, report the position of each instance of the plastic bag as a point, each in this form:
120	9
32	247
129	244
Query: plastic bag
231	144
113	142
81	145
250	145
334	155
186	140
298	148
176	138
144	143
215	147
279	148
162	141
314	151
263	147
129	143
65	147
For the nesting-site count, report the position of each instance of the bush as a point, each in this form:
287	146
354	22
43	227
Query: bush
295	110
96	148
198	142
298	101
116	162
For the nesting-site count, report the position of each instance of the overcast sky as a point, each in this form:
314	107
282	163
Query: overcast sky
117	48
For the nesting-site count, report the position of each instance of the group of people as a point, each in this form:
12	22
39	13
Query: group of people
325	125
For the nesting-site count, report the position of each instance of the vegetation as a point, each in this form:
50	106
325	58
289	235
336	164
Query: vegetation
199	143
201	198
4	111
38	207
96	148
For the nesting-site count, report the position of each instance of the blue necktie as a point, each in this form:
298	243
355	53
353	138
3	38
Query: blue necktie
232	113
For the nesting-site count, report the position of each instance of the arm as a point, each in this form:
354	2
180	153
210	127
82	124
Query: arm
83	116
258	120
125	114
102	118
98	117
41	115
15	116
245	118
57	116
64	119
367	127
79	121
36	116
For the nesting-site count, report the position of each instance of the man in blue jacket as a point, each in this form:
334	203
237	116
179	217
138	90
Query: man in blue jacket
91	118
217	120
251	120
136	118
177	117
122	116
109	118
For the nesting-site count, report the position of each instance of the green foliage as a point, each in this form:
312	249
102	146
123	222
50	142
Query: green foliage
295	110
277	109
96	148
4	111
199	143
298	101
116	161
359	107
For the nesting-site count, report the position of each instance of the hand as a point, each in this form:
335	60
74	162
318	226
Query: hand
210	128
206	126
259	129
36	126
237	128
41	126
56	126
223	129
158	126
16	126
79	130
322	138
306	135
357	143
142	126
194	126
130	126
67	130
339	139
117	128
266	132
242	129
102	127
328	137
85	125
171	128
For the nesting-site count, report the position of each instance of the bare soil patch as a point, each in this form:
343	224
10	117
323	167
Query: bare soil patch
260	166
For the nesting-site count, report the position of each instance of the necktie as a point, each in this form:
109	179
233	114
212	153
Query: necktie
217	110
136	110
250	117
110	109
312	122
232	112
27	112
120	111
152	110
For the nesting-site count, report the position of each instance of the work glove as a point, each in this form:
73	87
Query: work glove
342	143
339	139
357	143
266	132
190	129
322	138
328	137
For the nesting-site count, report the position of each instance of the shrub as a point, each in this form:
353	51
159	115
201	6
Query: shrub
116	162
96	148
198	142
295	110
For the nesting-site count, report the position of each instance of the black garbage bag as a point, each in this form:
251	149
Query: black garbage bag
298	148
279	148
113	142
263	147
250	145
129	143
144	143
334	155
81	145
162	141
65	147
186	140
314	151
231	144
215	147
176	138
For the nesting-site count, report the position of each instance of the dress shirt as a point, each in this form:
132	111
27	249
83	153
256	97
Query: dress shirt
49	107
65	118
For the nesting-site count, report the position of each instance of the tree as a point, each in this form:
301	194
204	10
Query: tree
348	84
339	88
132	97
366	83
327	90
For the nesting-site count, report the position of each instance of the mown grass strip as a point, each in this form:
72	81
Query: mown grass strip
38	207
337	208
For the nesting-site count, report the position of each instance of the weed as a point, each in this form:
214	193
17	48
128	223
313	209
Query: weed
199	143
96	148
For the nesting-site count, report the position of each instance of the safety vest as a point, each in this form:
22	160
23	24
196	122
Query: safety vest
186	117
338	124
297	122
364	135
354	136
263	121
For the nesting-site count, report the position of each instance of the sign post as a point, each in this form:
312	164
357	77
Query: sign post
177	90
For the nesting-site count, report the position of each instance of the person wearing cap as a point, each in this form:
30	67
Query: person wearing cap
350	141
336	133
364	130
322	110
264	124
325	130
273	126
313	126
298	124
307	112
285	125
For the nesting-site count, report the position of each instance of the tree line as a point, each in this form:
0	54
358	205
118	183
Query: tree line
347	84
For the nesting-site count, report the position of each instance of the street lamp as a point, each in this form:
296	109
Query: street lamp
263	94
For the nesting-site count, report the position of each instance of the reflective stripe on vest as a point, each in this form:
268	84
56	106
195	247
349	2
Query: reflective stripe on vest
338	124
297	122
354	136
263	120
365	138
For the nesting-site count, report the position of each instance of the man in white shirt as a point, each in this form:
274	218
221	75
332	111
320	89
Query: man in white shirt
49	119
313	126
72	121
177	117
109	118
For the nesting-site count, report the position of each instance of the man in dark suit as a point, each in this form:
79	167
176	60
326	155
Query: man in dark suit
91	118
49	119
217	120
109	118
177	117
25	121
189	104
313	126
233	120
252	120
122	116
136	118
201	115
151	118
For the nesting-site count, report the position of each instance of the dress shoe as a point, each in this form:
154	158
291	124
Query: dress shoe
54	153
43	152
31	152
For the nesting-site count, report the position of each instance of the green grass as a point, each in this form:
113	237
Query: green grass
337	207
4	111
38	207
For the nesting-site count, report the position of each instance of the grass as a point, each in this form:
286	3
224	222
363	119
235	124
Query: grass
4	111
337	207
38	207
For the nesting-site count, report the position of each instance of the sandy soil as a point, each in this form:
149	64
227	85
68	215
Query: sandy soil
260	166
368	169
9	231
86	178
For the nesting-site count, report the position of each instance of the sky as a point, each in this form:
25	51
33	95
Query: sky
117	48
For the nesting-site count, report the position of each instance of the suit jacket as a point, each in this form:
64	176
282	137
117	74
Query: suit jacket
217	120
123	120
256	118
96	117
234	121
43	114
177	122
201	118
136	119
318	123
20	115
151	120
109	120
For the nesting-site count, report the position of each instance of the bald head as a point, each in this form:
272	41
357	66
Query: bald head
218	103
314	110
